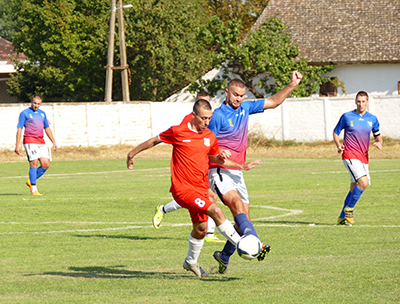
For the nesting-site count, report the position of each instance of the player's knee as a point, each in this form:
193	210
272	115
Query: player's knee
362	183
200	231
216	214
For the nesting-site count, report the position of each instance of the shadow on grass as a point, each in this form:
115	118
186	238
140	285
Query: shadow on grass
11	194
117	272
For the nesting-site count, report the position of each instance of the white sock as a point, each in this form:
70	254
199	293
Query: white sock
34	188
228	231
171	206
210	227
195	246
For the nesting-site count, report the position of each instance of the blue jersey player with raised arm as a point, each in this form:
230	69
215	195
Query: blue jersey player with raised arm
358	125
230	125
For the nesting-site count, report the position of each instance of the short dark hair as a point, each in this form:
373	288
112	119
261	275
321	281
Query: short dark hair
236	82
362	93
201	94
36	97
201	103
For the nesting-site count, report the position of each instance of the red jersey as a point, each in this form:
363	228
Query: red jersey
187	118
189	163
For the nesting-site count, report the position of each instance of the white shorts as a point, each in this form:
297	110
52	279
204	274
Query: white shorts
36	151
357	169
222	181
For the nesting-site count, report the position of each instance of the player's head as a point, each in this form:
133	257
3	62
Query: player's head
36	101
362	102
235	93
203	95
202	113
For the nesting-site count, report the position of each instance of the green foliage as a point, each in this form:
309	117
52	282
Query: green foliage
265	60
65	42
246	10
162	49
8	26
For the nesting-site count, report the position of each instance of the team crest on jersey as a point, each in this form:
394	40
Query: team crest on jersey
230	122
351	123
370	123
30	115
42	114
207	142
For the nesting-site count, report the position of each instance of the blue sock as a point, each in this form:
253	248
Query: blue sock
356	194
32	175
227	252
245	226
346	203
40	172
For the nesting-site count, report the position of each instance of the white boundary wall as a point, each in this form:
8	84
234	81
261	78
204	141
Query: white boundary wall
95	124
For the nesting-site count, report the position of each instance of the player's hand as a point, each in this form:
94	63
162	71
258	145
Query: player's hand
252	164
17	150
340	149
378	145
130	161
296	77
224	154
55	147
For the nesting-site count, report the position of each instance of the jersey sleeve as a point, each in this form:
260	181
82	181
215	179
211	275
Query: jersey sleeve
255	106
167	136
45	122
215	123
21	120
214	150
340	125
375	126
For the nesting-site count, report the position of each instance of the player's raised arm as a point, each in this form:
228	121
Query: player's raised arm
143	146
279	97
231	164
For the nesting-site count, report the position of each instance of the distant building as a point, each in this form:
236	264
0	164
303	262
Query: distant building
360	38
7	68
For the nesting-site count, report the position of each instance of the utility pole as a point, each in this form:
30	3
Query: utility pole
122	51
110	55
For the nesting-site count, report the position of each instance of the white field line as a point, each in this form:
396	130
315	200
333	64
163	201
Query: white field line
139	225
92	173
290	212
340	172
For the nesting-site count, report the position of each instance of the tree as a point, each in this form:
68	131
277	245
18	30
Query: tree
163	52
265	60
247	11
8	26
66	44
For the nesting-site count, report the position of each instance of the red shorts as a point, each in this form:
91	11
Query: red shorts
196	202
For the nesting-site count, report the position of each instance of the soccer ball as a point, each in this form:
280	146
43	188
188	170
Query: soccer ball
249	247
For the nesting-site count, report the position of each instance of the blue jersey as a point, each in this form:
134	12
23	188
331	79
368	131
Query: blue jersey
230	126
357	131
34	123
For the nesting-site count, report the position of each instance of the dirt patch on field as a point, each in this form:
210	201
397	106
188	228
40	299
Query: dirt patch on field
391	150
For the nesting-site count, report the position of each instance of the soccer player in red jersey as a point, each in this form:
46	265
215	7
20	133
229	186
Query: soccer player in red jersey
193	147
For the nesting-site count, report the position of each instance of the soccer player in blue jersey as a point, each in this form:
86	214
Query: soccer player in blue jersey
34	121
357	125
230	125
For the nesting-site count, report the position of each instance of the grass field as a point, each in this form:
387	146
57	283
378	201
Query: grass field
89	239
